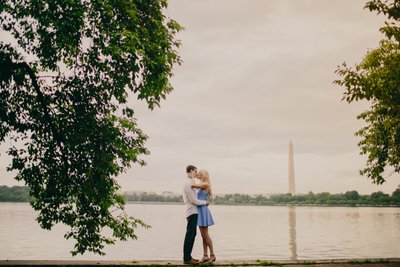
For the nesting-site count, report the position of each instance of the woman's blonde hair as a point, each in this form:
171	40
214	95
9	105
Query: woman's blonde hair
205	176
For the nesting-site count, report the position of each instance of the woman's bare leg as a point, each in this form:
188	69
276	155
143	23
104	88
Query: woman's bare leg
208	240
205	250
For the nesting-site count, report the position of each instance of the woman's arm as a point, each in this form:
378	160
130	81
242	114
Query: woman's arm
201	185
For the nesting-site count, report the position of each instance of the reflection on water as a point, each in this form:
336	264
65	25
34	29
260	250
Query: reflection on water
240	232
292	233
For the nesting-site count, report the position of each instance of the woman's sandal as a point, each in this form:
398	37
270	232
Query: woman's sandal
212	258
205	259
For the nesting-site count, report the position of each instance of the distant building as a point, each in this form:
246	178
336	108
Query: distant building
291	182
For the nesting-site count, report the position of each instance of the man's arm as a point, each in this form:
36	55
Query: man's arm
192	196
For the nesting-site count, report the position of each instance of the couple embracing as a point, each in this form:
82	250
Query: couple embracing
197	214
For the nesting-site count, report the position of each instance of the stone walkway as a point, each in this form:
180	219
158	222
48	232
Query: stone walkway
394	262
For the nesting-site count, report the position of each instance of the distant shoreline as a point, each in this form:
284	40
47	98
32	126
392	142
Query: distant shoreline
323	199
269	205
249	205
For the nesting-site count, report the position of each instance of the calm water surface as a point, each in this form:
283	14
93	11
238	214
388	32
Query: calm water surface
241	232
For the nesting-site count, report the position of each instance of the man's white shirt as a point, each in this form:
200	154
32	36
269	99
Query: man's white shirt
190	199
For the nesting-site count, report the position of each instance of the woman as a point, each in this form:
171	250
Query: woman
205	219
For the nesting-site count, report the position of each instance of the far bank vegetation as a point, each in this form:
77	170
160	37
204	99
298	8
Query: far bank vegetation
349	198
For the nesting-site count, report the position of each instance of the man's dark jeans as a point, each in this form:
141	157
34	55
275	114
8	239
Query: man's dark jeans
189	237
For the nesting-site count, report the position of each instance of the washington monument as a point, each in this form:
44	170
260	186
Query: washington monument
291	170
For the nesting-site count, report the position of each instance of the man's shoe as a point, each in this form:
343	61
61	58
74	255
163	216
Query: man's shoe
192	262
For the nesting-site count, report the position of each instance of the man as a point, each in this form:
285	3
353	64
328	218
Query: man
191	201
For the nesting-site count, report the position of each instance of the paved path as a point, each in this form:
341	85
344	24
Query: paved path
394	262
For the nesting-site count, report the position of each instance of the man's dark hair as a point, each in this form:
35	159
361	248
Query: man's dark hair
190	168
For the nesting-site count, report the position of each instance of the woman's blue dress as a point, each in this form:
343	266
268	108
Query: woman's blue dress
204	219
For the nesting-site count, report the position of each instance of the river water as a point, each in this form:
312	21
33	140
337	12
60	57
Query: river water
240	232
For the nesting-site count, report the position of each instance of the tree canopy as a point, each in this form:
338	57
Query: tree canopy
66	73
377	80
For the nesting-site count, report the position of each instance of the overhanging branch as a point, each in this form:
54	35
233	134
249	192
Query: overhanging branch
9	65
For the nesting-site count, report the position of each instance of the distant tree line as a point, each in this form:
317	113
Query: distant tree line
349	198
14	194
152	197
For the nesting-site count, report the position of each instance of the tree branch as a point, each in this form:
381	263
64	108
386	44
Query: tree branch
8	64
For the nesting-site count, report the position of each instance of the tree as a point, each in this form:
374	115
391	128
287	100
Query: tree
352	195
65	79
14	194
396	195
377	80
380	197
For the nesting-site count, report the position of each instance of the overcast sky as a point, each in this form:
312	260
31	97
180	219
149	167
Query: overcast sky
257	74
